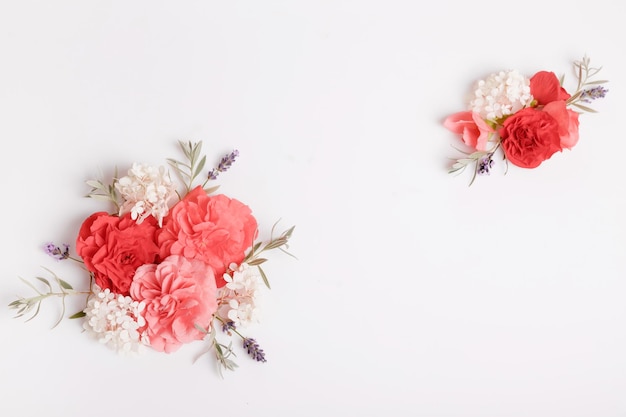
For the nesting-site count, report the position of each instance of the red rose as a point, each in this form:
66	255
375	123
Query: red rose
216	230
114	247
529	137
545	88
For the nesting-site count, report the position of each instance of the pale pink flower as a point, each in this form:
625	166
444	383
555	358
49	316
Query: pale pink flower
179	294
474	131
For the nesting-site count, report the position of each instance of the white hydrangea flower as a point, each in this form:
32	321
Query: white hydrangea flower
239	297
115	320
146	191
501	94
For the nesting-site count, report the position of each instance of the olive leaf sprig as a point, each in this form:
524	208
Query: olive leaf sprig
104	192
194	164
26	305
482	161
189	170
223	352
281	242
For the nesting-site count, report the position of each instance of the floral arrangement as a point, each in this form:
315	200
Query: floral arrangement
172	263
528	119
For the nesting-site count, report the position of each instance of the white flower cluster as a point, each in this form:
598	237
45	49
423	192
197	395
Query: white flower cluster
240	295
115	321
501	94
146	191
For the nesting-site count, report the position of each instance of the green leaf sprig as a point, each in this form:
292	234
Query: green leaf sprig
26	305
584	73
192	166
281	242
104	192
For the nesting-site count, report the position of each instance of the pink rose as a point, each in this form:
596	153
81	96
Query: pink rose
473	129
529	137
114	247
216	230
179	293
545	88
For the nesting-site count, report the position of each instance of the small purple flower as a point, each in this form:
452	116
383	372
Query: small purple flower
485	165
224	164
587	96
228	326
56	252
253	350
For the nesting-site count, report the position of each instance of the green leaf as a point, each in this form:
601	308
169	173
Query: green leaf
45	281
100	197
200	328
200	166
265	280
15	303
211	190
585	108
30	285
35	313
257	261
78	315
597	82
95	184
64	284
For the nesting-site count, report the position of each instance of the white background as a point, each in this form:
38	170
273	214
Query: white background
413	294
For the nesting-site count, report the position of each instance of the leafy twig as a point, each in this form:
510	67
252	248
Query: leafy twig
25	305
104	192
281	243
189	170
584	73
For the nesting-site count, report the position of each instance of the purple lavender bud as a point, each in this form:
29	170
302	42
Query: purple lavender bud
485	165
228	326
587	96
225	163
253	350
228	160
56	252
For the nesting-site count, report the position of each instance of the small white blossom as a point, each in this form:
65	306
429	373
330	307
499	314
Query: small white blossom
501	94
146	191
239	297
115	321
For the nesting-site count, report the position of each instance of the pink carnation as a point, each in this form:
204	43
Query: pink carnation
474	131
179	294
216	230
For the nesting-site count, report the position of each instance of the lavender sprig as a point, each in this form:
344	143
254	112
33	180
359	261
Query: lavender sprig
587	96
228	326
254	350
226	162
485	164
56	252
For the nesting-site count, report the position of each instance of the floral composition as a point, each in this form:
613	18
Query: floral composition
527	119
171	264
